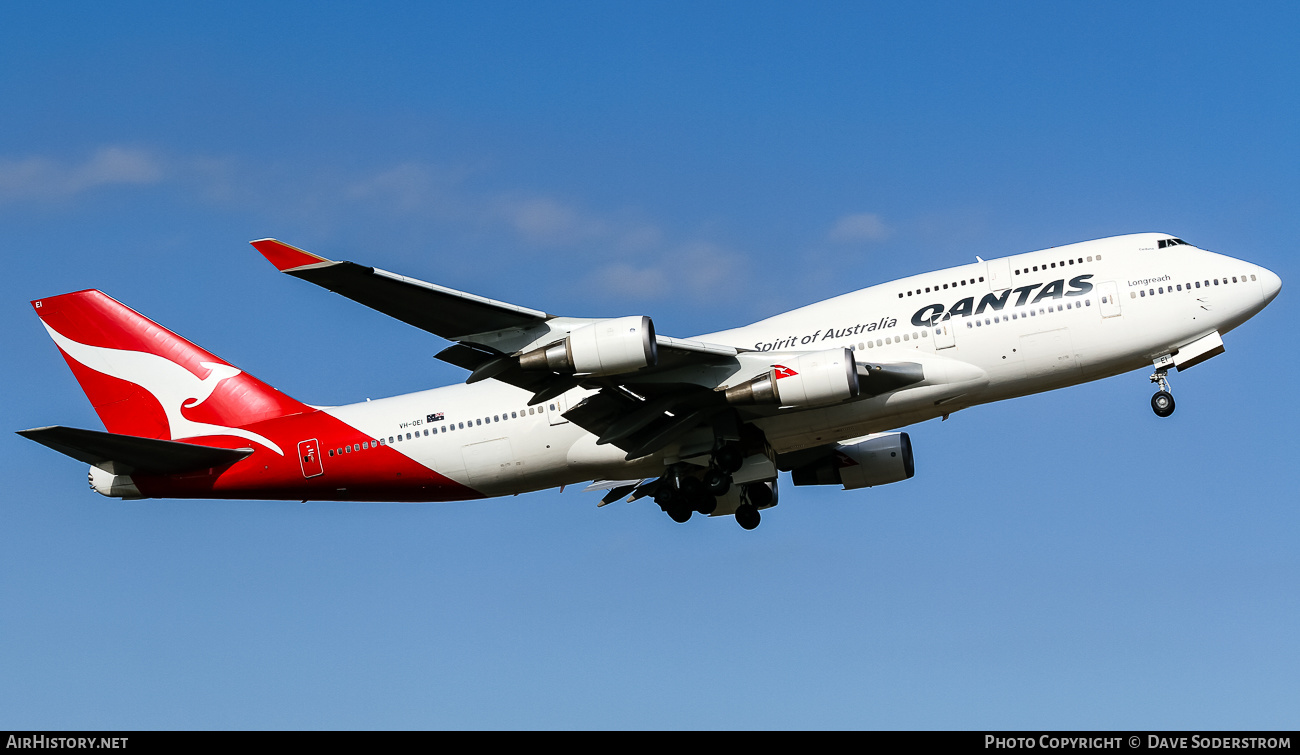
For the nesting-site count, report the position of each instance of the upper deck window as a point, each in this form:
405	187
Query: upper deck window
1162	243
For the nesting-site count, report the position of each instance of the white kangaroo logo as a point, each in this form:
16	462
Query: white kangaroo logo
171	384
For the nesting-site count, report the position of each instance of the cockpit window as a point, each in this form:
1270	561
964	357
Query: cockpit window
1170	242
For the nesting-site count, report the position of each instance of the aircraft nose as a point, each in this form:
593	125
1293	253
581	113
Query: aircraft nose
1270	283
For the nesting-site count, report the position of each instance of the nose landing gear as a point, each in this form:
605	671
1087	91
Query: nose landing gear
1163	402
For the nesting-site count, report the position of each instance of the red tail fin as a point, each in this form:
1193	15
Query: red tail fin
145	380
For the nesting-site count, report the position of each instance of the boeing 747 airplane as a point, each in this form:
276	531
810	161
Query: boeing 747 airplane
698	425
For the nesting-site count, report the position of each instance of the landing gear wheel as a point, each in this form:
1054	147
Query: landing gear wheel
717	482
695	495
747	516
1162	404
729	459
679	513
758	494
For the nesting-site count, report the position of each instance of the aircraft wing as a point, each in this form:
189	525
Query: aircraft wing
446	312
442	311
640	409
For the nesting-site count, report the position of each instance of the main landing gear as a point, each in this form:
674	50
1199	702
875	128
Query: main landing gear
682	493
1163	402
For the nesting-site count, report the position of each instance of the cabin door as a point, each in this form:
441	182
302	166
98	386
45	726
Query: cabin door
943	336
309	458
555	410
1109	299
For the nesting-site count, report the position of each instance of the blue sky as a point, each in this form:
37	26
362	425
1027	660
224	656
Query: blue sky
1064	560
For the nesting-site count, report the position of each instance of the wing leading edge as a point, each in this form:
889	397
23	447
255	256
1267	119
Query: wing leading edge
442	311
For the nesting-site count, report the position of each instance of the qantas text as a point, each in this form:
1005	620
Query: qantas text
936	313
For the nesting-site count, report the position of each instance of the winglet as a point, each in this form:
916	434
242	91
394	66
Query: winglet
285	257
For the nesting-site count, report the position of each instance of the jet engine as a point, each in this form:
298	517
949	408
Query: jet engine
605	347
811	379
874	460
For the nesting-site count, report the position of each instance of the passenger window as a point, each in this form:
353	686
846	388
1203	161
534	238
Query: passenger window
1252	277
390	439
552	407
1090	259
331	452
905	337
1087	302
979	324
1234	279
1144	293
365	444
924	335
347	449
1216	281
408	436
1099	258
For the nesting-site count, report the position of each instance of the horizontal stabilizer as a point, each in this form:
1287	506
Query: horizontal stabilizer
128	454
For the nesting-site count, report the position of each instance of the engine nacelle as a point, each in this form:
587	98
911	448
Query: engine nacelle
607	347
875	460
811	379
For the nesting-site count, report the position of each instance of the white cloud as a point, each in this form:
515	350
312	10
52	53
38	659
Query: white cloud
40	178
695	269
622	280
542	220
860	227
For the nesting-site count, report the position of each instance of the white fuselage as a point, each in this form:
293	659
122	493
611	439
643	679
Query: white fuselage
983	332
